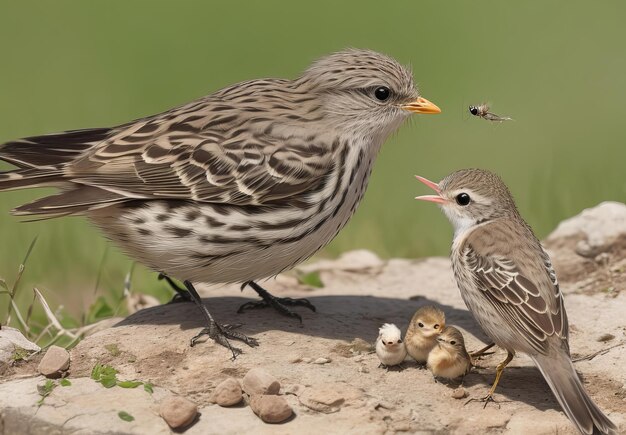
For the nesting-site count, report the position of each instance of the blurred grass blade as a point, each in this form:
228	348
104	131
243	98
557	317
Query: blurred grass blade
14	288
18	316
49	314
100	269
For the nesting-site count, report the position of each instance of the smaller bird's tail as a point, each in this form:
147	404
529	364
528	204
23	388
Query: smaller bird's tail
559	372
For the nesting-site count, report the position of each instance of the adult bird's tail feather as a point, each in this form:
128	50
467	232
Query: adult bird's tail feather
559	372
51	150
41	162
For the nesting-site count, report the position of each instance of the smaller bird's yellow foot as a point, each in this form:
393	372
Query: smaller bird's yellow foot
482	351
488	398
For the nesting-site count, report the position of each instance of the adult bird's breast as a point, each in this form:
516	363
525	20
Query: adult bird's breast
218	243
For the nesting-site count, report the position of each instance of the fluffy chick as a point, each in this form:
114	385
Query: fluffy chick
389	346
449	358
421	336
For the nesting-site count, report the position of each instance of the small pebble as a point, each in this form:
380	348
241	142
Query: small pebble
295	359
307	360
178	412
54	362
227	393
459	393
363	369
270	409
602	258
258	381
605	337
321	360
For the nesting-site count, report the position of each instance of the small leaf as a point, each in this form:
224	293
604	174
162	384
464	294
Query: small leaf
95	372
108	381
125	416
106	375
147	386
65	382
129	384
311	279
45	390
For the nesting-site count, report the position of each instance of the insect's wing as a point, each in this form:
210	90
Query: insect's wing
493	117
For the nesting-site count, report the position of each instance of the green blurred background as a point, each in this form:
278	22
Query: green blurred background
558	68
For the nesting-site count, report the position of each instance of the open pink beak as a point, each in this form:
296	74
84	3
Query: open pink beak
432	198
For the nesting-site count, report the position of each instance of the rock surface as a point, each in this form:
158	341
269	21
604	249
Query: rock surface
258	381
350	394
178	412
270	408
227	393
54	362
12	340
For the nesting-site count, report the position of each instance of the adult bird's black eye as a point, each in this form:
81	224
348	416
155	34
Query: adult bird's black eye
382	93
463	199
420	324
453	342
473	110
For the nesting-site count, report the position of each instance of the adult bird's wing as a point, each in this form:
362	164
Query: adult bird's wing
211	150
525	292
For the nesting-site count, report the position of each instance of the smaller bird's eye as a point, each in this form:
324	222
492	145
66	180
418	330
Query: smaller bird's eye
420	324
463	199
453	342
382	93
399	341
473	110
436	326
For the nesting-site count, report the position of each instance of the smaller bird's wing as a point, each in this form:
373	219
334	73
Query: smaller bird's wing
520	297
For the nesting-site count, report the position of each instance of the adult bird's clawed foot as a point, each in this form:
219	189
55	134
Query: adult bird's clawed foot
279	304
220	334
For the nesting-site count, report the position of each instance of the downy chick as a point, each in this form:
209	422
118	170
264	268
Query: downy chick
389	346
421	336
449	358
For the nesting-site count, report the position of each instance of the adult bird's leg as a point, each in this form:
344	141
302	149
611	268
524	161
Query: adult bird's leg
279	304
181	295
482	351
220	334
499	370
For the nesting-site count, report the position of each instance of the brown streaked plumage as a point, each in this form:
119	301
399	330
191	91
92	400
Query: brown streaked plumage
424	328
449	358
236	186
508	283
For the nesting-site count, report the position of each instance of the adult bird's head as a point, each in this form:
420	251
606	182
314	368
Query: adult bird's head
364	92
469	197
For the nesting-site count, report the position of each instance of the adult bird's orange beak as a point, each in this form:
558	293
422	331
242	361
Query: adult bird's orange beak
432	198
421	105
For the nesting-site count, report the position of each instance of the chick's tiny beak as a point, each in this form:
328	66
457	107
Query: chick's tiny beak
421	105
432	198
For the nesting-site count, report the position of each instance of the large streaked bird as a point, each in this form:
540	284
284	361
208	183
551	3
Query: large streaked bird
237	186
508	283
